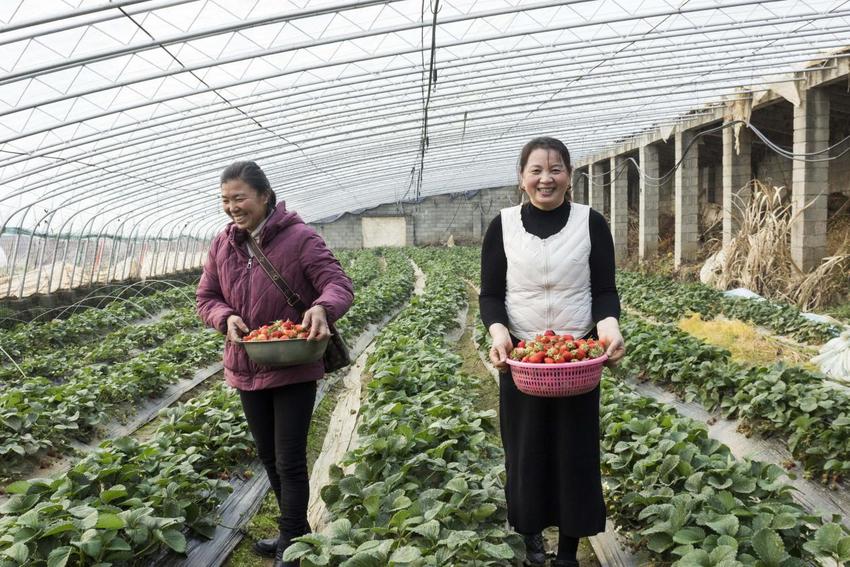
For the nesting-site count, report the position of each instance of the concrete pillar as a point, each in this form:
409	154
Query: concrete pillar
585	185
595	186
648	205
810	180
737	174
620	206
686	198
577	183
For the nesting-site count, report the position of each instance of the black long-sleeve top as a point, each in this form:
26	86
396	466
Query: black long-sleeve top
605	302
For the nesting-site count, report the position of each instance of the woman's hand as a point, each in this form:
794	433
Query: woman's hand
236	327
608	330
502	345
316	321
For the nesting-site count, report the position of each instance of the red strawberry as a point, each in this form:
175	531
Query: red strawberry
548	360
537	357
549	333
520	344
579	354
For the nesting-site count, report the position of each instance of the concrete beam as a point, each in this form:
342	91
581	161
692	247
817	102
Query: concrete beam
737	174
810	180
648	208
686	198
828	70
620	207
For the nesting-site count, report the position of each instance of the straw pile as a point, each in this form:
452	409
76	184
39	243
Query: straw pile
759	256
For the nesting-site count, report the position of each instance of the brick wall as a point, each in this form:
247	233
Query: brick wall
430	221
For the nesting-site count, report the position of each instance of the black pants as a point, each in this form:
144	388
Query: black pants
279	419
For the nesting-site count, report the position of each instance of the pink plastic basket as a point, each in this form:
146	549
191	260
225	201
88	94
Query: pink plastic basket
557	380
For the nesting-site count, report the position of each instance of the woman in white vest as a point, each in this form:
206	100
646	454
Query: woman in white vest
549	264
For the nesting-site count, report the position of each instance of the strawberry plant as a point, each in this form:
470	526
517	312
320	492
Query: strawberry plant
790	403
669	301
129	499
427	482
29	338
684	497
385	292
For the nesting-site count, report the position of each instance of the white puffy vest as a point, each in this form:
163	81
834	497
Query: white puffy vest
548	280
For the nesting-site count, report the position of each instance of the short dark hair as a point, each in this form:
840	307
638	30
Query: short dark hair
253	176
546	143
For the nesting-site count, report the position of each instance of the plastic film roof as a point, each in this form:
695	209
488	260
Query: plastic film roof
118	117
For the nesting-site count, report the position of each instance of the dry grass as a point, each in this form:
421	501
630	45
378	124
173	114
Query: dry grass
759	257
745	342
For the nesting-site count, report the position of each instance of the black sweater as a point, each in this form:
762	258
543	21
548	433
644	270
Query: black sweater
543	224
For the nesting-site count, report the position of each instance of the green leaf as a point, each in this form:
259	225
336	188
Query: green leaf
692	534
118	544
18	487
58	528
497	551
117	491
172	538
400	503
339	529
668	464
725	525
784	521
365	559
372	504
828	536
59	556
694	482
18	552
485	511
844	549
89	521
743	484
109	522
723	553
297	550
342	549
769	547
458	484
696	558
90	543
429	530
405	554
659	542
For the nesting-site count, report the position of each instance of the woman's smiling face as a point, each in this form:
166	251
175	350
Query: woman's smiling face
545	179
243	204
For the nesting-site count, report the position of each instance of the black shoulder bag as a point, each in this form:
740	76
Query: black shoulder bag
336	353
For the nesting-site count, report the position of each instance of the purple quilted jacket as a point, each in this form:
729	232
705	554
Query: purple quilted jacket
233	283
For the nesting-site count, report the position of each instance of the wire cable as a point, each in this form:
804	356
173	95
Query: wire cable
769	143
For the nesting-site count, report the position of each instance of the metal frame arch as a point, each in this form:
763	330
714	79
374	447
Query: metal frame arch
82	141
705	30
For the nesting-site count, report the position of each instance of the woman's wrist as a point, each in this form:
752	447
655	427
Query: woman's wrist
498	331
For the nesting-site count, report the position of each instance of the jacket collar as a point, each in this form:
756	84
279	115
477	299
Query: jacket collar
274	224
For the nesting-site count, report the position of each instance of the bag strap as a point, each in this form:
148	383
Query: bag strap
292	298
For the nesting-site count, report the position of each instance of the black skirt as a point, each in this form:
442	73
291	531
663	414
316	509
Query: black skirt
552	460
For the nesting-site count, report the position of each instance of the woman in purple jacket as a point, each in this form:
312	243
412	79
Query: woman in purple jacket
235	295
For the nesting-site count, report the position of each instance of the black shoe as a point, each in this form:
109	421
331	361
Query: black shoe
265	547
535	554
565	563
282	543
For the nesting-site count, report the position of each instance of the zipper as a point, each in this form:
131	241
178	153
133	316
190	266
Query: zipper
247	298
546	286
